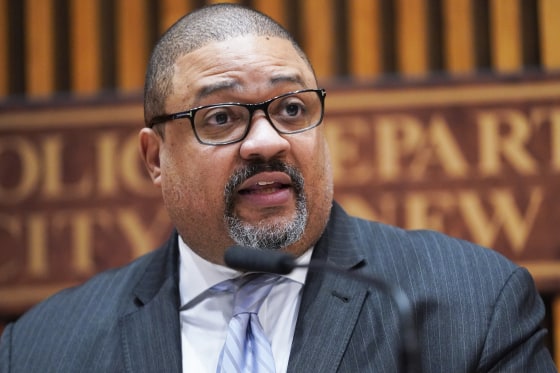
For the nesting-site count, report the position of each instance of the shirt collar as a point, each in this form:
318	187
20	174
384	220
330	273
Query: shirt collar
196	274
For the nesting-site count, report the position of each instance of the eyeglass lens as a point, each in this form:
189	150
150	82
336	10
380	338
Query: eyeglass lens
229	122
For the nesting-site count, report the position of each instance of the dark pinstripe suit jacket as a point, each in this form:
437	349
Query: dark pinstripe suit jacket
475	311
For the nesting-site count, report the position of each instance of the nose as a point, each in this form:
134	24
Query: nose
263	141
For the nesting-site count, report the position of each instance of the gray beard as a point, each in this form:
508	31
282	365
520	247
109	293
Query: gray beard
263	235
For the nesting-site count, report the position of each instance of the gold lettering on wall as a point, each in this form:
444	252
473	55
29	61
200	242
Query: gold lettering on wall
385	210
504	135
80	225
78	230
11	226
142	237
349	164
37	249
119	163
505	216
398	137
75	200
438	147
485	216
46	165
107	172
66	194
429	210
27	157
54	184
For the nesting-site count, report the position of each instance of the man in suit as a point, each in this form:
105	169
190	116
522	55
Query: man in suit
234	141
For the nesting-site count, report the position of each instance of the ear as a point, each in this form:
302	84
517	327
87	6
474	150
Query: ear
150	144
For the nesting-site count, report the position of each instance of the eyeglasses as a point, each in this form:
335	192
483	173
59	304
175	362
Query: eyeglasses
228	123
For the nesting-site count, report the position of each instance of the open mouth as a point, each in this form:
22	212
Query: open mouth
267	189
264	187
265	182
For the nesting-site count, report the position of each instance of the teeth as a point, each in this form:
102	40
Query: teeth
263	183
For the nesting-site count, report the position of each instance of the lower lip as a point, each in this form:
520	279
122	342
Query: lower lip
267	199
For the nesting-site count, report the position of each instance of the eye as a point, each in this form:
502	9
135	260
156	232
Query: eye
220	116
291	107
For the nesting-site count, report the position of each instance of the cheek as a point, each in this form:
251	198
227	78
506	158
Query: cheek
175	174
193	183
174	186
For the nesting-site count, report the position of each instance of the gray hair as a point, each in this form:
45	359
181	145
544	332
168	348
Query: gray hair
217	22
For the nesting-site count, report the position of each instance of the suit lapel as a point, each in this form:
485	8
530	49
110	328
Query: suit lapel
150	333
330	303
324	328
150	330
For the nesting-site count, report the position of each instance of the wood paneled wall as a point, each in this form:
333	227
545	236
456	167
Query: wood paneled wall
90	46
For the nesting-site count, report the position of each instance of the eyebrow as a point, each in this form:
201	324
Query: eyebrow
232	84
287	79
208	90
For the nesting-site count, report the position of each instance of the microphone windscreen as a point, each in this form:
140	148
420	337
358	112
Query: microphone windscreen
249	259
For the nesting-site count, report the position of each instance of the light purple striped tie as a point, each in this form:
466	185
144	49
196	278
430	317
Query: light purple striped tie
247	348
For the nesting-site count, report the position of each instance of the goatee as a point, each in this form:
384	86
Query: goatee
266	235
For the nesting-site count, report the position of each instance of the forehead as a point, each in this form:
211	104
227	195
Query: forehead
249	64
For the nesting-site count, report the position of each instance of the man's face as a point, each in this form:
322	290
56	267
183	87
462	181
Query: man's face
269	190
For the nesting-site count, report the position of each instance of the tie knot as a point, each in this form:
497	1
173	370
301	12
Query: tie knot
251	292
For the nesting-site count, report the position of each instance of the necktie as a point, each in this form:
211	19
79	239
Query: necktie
247	348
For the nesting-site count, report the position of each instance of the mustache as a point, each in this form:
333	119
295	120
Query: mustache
265	235
252	169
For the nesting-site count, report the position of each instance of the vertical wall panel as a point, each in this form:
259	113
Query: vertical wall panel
458	36
170	11
364	38
4	65
273	8
132	44
549	13
85	46
109	40
318	28
505	35
556	328
412	37
222	1
39	48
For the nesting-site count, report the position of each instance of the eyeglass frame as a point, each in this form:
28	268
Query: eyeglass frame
252	108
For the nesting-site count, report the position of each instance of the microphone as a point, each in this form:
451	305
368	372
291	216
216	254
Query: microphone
250	259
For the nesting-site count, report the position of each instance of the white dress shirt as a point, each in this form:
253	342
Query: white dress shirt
204	324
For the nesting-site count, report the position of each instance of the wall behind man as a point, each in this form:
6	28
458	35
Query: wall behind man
485	71
92	46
